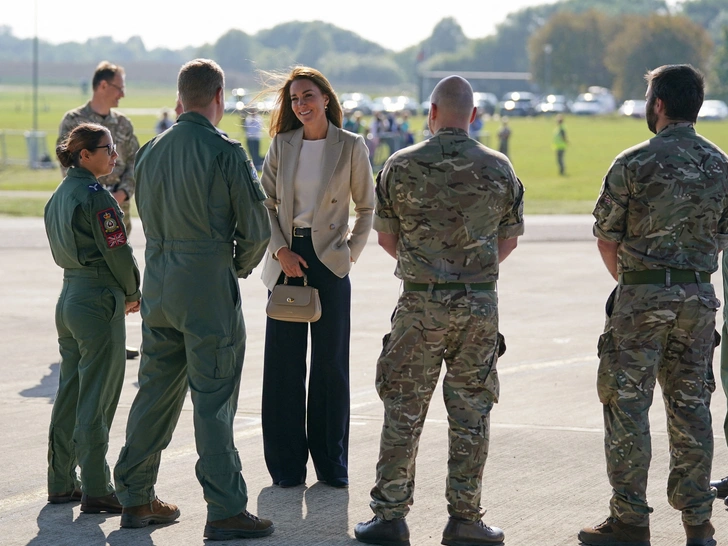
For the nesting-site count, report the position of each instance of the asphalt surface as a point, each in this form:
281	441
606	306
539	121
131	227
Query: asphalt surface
545	477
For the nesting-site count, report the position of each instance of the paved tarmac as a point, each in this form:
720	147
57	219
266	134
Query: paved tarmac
545	477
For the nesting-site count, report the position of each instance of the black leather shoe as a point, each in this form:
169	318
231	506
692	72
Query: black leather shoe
285	483
459	532
131	353
385	533
722	487
95	505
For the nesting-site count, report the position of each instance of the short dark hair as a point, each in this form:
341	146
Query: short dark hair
198	82
681	87
85	136
105	72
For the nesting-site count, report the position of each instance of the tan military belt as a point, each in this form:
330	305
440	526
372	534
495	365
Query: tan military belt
424	287
664	276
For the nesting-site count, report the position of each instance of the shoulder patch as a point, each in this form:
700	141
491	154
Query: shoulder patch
94	187
111	228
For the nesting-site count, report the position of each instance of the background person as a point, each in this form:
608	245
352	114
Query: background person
164	122
661	220
448	231
109	85
201	207
561	142
253	127
504	136
312	172
100	284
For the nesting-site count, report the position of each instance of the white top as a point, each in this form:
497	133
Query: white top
307	182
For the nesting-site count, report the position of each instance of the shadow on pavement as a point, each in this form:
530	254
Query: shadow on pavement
47	387
314	515
56	527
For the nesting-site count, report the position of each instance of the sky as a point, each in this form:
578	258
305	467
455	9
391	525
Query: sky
394	24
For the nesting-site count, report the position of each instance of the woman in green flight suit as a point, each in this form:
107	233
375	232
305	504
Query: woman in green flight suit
100	285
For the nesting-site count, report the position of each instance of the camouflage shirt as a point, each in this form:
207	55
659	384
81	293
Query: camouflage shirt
665	202
449	199
122	133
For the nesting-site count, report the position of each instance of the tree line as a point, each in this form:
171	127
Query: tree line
566	46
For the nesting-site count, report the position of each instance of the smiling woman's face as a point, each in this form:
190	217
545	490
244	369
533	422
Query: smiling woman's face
309	104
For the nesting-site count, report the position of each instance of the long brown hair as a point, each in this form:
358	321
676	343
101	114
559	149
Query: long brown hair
85	136
282	118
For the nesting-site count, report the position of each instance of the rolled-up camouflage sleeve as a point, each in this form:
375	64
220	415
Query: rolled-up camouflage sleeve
610	211
721	238
511	225
385	218
130	147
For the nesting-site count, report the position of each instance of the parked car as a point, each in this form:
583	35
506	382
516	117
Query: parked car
236	102
596	101
351	102
553	104
400	103
486	102
518	103
636	108
713	110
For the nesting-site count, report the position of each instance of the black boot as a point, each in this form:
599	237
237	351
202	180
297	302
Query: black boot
459	532
385	533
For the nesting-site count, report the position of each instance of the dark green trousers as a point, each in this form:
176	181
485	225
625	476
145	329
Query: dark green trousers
91	336
724	370
192	336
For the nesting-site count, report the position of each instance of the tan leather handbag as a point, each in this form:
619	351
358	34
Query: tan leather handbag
294	303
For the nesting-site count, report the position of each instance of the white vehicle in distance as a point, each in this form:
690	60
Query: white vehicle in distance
596	101
713	110
636	108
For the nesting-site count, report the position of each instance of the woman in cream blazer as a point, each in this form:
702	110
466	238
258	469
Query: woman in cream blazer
312	172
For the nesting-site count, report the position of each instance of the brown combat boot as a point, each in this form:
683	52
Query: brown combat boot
96	505
615	533
74	495
700	535
244	525
155	512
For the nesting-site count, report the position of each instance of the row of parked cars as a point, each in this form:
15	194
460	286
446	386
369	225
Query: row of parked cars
596	101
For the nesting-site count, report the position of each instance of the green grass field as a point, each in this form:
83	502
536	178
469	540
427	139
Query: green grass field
594	142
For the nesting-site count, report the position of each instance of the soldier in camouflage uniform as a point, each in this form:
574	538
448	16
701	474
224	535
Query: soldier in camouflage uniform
108	88
661	220
449	210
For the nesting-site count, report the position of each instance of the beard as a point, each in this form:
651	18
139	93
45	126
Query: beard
651	115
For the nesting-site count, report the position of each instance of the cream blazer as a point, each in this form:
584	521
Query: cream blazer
347	176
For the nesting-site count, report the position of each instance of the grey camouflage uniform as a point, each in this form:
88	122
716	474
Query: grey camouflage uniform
449	199
122	133
665	202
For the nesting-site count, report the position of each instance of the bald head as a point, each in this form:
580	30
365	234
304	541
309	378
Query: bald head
452	104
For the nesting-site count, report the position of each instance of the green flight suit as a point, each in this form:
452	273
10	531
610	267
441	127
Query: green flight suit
88	240
201	207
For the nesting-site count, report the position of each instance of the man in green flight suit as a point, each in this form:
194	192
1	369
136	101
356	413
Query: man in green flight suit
201	207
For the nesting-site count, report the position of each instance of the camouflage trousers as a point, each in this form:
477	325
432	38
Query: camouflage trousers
665	334
462	330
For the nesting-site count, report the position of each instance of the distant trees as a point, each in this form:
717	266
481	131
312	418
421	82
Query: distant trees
591	48
648	42
569	51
